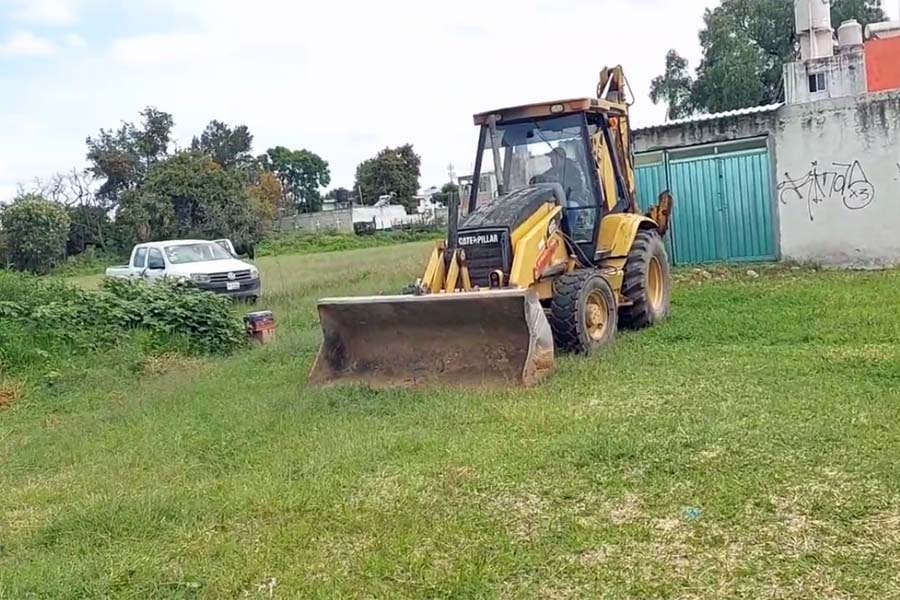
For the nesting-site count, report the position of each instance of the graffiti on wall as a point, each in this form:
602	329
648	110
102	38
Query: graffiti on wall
844	182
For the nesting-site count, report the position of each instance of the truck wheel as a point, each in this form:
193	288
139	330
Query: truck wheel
647	282
583	312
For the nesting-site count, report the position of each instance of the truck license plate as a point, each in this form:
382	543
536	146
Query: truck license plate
233	285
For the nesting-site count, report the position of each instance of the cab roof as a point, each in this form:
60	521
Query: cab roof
553	109
167	243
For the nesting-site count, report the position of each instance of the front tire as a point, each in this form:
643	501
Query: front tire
583	312
647	282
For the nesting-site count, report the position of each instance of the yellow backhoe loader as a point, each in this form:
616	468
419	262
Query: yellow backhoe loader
554	261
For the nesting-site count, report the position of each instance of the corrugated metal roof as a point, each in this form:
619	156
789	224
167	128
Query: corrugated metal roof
752	110
885	29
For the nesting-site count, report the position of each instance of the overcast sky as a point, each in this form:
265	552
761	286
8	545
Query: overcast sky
342	78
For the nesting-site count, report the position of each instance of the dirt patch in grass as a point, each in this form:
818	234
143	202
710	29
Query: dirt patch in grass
10	393
527	515
593	558
628	510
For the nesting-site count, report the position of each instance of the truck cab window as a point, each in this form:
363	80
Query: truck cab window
155	260
140	258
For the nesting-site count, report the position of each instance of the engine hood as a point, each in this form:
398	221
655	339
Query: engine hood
210	267
514	208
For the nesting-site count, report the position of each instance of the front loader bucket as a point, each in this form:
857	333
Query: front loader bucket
490	338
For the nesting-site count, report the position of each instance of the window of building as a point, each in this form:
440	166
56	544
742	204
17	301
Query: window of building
817	83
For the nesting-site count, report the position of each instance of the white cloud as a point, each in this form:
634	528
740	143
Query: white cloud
167	49
25	43
73	40
7	193
345	78
45	12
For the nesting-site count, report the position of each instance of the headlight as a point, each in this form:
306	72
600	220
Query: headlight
200	278
254	273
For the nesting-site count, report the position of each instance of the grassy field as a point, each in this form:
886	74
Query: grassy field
748	448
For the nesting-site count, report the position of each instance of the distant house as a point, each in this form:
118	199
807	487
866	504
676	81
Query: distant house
383	214
433	190
487	189
428	205
331	204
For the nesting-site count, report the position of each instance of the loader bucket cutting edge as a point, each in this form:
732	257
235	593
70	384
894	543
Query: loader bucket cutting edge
465	339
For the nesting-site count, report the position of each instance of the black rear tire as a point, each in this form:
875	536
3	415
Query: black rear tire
580	301
647	282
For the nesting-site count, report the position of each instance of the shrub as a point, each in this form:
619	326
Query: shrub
36	231
46	320
87	228
174	308
89	263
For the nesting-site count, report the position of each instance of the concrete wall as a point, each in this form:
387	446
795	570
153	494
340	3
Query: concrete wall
341	221
334	220
845	75
384	217
838	172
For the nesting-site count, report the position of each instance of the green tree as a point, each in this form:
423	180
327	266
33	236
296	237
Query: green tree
5	260
393	171
229	147
266	197
121	158
302	175
673	87
448	190
340	195
36	231
745	45
87	227
89	215
188	195
864	11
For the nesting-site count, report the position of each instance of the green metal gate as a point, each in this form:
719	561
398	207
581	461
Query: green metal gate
723	201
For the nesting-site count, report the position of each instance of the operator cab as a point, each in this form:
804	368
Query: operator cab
545	153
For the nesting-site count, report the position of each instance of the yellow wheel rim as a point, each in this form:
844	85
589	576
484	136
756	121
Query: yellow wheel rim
655	283
596	315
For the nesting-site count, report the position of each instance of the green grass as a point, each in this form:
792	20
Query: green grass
747	448
307	243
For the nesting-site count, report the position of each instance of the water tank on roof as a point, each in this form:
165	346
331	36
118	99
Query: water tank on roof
812	14
850	34
814	28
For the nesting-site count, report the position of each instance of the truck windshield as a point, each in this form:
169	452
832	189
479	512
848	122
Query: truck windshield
183	254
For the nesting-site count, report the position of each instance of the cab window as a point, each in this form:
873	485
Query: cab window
155	259
140	258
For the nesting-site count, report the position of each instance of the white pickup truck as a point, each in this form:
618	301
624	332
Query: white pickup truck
208	265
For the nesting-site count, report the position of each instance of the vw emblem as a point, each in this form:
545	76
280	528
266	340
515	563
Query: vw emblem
232	276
